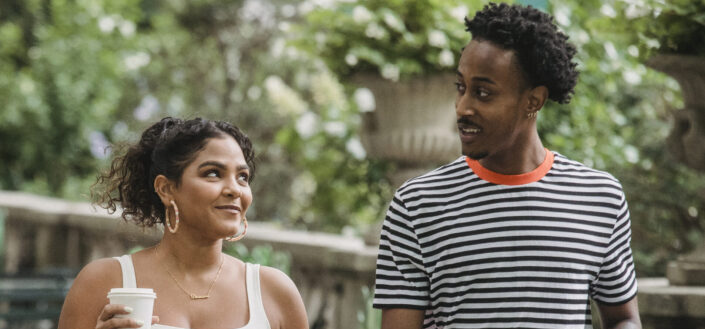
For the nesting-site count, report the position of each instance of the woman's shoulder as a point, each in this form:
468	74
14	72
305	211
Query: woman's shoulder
104	272
280	292
274	279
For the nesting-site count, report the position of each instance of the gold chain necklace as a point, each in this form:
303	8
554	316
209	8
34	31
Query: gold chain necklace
191	295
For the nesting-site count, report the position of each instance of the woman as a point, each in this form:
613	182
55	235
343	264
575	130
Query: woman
193	177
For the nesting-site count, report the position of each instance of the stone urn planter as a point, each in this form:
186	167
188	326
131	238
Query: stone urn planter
687	142
413	126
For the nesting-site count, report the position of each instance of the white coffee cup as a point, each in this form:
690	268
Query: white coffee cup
141	300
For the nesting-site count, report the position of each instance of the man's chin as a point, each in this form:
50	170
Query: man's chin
475	155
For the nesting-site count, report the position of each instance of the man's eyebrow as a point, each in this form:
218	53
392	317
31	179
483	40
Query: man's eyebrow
483	79
478	79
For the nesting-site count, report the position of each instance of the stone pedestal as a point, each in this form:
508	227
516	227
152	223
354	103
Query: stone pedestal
664	306
687	143
413	126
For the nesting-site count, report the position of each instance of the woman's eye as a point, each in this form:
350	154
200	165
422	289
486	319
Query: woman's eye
460	87
212	173
243	177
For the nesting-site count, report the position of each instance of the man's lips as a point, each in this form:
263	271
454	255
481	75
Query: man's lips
468	127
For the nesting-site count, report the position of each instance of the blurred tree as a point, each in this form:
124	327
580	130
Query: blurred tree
618	121
77	76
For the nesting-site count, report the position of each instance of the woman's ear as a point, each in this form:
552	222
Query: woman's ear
164	188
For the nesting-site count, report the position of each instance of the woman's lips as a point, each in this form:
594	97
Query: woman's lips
230	208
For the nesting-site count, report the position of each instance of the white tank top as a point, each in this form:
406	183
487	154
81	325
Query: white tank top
258	318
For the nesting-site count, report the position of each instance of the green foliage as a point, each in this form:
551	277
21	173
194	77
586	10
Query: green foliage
674	26
395	38
618	121
264	255
78	76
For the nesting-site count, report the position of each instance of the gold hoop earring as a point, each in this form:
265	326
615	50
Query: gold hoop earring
176	217
532	115
238	237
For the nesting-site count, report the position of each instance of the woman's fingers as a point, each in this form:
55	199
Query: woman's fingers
111	310
120	323
107	319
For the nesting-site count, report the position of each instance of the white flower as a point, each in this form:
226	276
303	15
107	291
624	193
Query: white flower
631	77
394	22
127	28
288	11
391	72
148	107
611	50
562	15
364	99
254	93
354	147
361	14
286	100
351	59
633	50
437	38
631	154
307	125
375	31
608	11
303	187
335	128
100	147
106	24
459	13
136	61
445	58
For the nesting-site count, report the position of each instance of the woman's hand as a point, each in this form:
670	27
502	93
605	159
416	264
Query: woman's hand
107	319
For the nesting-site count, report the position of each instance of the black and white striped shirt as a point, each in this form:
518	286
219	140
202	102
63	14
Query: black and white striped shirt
477	249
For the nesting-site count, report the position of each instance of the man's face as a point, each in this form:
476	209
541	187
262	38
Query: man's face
491	101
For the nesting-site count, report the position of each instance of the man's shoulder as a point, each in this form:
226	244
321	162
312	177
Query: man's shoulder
565	166
437	177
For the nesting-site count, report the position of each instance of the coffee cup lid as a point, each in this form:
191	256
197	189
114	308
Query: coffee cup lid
146	292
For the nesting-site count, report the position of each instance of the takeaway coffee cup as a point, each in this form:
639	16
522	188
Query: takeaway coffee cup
140	299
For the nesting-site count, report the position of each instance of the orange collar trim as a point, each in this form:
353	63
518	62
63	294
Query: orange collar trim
521	179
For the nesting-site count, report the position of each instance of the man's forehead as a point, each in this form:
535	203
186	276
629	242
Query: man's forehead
485	57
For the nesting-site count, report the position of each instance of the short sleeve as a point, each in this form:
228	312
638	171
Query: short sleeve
616	281
400	279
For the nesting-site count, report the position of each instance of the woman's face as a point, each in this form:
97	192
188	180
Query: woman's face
214	193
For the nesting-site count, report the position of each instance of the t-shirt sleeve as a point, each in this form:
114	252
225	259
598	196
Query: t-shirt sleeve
400	279
616	282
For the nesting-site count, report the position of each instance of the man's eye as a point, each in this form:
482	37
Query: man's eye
459	87
482	93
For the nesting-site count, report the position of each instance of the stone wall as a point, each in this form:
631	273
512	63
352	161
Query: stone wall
43	234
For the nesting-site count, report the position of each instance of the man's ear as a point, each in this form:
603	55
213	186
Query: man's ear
537	98
164	188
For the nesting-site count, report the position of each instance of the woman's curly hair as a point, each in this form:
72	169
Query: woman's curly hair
165	148
544	53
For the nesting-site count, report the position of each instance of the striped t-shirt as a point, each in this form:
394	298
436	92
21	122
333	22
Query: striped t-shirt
477	249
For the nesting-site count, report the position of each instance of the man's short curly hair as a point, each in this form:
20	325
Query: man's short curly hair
544	53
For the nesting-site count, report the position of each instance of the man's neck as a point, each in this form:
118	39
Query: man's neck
519	160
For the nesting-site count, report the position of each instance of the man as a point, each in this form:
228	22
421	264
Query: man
511	235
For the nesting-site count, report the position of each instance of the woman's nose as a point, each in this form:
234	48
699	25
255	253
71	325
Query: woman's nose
231	188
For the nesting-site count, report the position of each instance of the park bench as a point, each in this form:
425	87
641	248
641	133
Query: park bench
32	298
